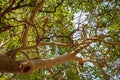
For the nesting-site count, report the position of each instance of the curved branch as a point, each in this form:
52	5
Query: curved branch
98	39
8	9
5	28
25	34
36	10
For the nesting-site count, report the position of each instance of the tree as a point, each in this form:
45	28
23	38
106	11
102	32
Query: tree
54	39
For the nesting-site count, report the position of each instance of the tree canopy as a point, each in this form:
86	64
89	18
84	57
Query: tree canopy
60	39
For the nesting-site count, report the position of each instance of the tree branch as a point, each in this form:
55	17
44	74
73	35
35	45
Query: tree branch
36	10
28	66
25	34
8	9
26	29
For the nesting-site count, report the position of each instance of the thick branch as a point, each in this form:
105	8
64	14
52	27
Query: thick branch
35	64
8	65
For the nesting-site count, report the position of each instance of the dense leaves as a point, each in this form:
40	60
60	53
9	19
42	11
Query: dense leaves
61	25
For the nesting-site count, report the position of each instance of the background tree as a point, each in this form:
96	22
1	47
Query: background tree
60	39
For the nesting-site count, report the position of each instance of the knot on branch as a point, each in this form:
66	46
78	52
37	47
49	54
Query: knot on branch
26	67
